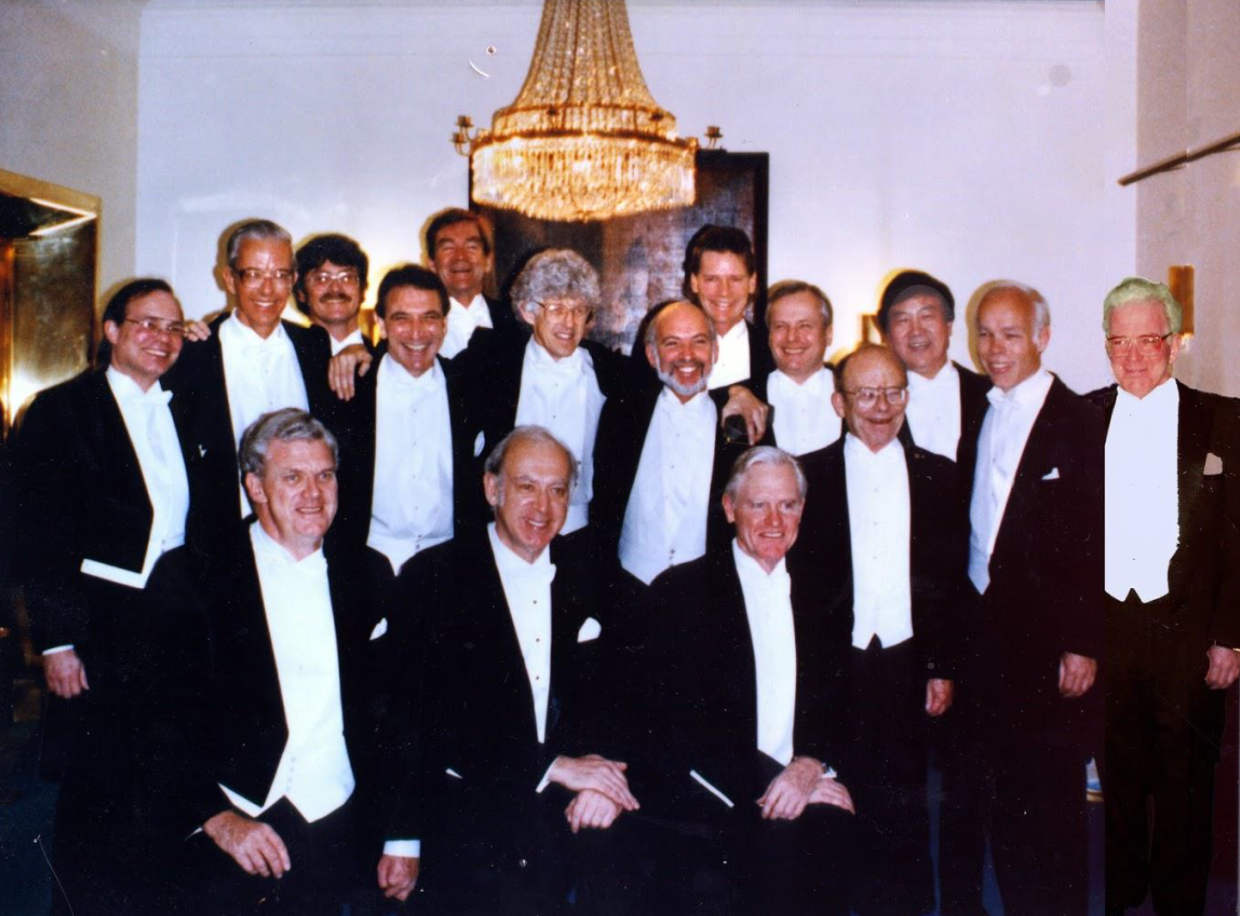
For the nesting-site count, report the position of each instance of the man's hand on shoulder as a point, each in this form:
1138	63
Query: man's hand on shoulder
197	331
1076	675
65	673
351	362
745	404
594	772
253	845
1224	667
397	876
591	809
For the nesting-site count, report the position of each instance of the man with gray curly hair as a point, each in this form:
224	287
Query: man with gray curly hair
554	377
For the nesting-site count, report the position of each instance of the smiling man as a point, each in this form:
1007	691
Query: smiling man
1172	600
662	460
735	701
884	539
104	463
511	768
331	283
946	401
282	777
1035	562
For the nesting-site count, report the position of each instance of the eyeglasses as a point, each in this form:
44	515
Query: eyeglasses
323	278
158	326
868	397
557	312
252	277
1146	344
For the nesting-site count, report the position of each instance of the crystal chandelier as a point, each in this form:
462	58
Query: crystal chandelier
584	139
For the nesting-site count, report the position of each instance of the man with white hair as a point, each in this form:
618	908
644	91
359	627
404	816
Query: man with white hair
1035	561
1172	604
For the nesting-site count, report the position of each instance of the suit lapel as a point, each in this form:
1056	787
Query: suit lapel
1195	428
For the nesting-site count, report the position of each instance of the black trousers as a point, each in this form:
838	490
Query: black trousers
1163	728
891	872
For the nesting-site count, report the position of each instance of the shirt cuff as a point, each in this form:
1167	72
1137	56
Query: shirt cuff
54	649
403	849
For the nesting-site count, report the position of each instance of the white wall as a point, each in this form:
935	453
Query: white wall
69	106
971	139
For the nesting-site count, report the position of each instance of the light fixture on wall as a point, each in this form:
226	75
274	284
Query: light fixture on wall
584	139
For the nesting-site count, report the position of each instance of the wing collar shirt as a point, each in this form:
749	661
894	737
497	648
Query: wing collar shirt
353	337
879	523
768	607
665	521
148	420
412	504
527	587
463	320
732	366
934	411
1142	492
1005	430
804	419
563	395
314	773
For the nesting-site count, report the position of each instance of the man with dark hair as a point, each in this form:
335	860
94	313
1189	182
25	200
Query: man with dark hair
1172	604
460	249
253	362
331	283
884	537
413	441
946	401
284	779
512	706
104	465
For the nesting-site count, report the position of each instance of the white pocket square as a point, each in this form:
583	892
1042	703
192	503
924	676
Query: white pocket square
480	444
1214	465
380	629
1053	475
589	630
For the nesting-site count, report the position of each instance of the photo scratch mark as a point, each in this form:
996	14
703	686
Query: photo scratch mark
479	72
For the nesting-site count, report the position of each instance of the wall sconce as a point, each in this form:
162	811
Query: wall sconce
1181	278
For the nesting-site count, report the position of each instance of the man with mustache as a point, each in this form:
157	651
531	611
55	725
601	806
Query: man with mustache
331	283
662	460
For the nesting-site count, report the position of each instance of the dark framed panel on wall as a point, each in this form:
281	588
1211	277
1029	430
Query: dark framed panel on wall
640	258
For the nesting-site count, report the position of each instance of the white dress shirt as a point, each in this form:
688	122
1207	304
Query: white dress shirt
768	607
463	320
934	411
563	395
527	588
880	527
353	337
665	520
1005	430
804	419
732	366
314	773
260	375
411	508
1142	492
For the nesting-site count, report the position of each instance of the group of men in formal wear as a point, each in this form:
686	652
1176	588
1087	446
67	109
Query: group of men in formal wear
488	618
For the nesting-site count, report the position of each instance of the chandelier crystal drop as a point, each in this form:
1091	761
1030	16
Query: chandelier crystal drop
584	140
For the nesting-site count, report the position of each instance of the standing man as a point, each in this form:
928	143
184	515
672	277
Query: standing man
799	389
1172	604
513	709
331	283
735	727
283	779
253	362
946	401
662	460
1035	561
460	248
104	466
411	439
552	376
884	538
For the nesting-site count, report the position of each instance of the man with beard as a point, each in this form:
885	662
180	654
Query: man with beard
331	283
662	460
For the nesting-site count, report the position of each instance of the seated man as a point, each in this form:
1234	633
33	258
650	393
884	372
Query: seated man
736	703
511	707
284	729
